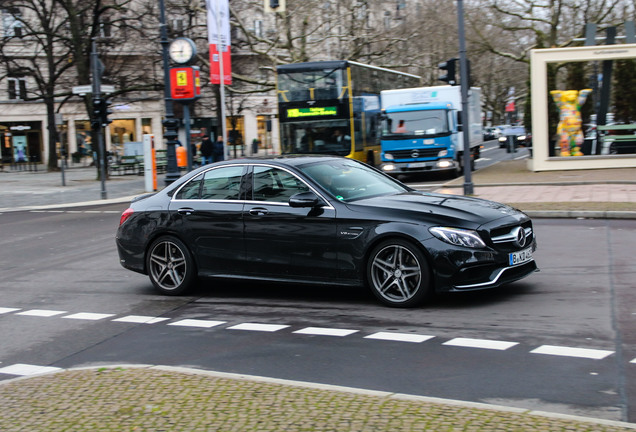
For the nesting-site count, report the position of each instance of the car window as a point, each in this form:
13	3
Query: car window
191	189
275	185
349	180
222	183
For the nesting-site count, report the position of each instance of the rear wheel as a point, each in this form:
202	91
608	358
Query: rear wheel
398	274
170	266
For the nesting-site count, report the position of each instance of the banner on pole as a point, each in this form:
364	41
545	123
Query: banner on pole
219	40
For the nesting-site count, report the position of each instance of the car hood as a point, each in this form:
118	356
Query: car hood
442	208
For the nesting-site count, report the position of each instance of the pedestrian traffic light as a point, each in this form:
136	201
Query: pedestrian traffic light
450	68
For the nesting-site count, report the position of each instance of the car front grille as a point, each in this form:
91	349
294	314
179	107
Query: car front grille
509	238
414	154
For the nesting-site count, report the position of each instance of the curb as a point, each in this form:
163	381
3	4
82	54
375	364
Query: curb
580	214
341	389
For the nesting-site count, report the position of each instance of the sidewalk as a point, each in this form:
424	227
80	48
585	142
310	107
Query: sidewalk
146	398
603	193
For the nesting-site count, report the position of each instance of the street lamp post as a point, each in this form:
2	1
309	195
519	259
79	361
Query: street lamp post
170	123
465	84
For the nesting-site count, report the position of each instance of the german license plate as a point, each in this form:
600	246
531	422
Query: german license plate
417	165
517	258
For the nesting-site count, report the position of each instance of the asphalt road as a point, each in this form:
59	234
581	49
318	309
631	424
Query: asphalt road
562	340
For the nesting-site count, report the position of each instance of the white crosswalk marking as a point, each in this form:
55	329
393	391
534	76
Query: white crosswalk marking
41	312
572	352
197	323
481	343
258	327
88	316
140	319
22	369
4	310
321	331
399	337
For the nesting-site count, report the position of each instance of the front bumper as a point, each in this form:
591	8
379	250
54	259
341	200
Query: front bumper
462	269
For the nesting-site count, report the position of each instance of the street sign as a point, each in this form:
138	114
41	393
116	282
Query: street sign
86	89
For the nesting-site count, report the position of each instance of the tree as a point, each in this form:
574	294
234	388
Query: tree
625	91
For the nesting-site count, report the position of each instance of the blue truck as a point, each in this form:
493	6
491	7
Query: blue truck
421	130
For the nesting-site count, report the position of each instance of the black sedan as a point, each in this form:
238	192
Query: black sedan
322	220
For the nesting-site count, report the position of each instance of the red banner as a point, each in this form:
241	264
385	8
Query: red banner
215	65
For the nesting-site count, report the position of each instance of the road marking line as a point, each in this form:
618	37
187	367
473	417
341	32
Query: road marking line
481	343
197	323
22	369
399	337
320	331
41	313
633	361
258	327
140	319
4	310
88	316
572	352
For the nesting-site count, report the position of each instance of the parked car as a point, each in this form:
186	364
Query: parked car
322	220
519	135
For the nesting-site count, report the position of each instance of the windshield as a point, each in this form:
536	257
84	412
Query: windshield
326	137
348	180
429	122
318	84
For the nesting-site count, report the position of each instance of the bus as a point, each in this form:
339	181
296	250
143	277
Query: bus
333	107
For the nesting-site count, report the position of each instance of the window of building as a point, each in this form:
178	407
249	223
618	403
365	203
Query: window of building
105	27
17	88
258	28
11	23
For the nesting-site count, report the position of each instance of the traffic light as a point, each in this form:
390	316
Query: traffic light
450	66
100	113
274	4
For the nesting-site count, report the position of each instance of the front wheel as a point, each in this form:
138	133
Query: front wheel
170	266
398	274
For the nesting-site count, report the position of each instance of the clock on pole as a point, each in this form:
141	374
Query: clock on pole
182	50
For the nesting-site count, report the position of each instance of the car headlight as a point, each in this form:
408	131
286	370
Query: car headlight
442	153
388	156
458	237
502	139
521	137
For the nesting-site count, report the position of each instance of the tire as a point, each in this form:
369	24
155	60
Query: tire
170	266
398	274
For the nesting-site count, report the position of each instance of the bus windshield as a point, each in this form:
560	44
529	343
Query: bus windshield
318	84
326	136
409	123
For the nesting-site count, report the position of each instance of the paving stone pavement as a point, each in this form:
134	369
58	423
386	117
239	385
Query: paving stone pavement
145	398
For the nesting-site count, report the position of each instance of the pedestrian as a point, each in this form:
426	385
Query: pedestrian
218	150
207	150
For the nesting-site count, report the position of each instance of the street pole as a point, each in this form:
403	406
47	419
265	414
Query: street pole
463	68
170	123
99	128
219	48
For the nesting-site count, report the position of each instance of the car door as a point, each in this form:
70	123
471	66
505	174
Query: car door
208	212
286	242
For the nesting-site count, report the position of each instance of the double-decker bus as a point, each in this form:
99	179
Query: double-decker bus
333	107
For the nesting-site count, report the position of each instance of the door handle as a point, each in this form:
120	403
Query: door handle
258	211
185	211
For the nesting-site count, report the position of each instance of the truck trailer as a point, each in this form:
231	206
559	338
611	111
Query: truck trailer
422	132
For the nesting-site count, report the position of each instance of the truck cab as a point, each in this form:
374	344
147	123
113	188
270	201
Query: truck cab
418	137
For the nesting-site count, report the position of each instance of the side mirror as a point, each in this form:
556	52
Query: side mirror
305	199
